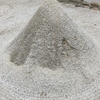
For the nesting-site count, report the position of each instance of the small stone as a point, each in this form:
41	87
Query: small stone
95	4
78	5
95	25
73	0
61	0
85	3
91	6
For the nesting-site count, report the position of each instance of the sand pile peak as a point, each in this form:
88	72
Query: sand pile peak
50	38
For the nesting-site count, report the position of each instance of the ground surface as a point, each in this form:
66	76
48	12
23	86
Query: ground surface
13	18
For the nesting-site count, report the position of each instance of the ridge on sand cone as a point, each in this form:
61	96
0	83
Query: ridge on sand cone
50	38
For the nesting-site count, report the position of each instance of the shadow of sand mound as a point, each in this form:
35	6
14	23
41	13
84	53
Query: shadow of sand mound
50	37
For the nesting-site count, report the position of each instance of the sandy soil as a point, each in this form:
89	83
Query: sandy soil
14	16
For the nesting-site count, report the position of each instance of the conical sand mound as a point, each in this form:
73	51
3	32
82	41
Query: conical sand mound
51	37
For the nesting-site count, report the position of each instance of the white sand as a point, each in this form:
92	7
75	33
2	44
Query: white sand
37	83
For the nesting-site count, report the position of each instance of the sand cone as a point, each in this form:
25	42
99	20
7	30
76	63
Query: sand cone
49	37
